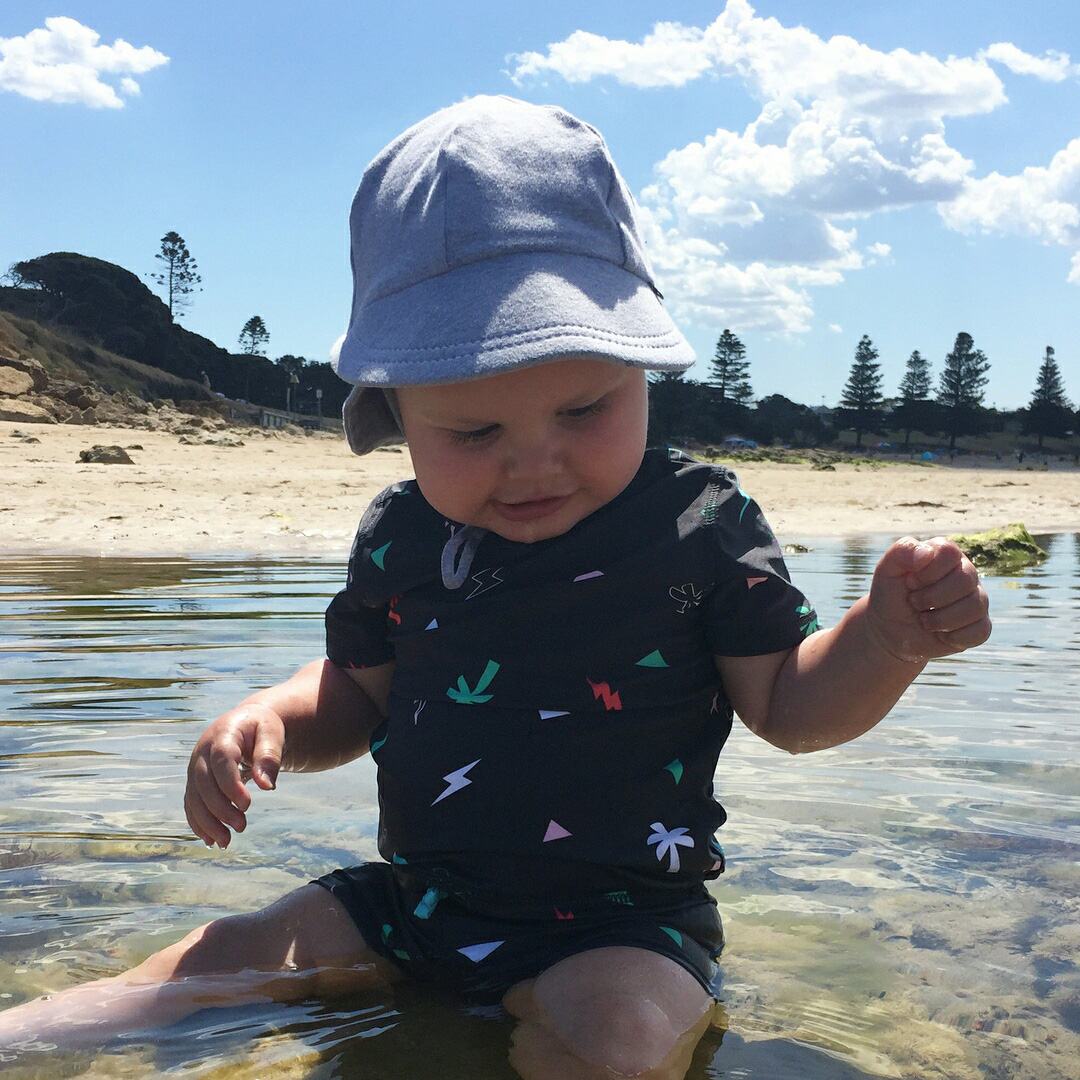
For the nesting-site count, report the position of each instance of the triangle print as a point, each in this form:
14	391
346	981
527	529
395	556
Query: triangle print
654	659
555	832
591	574
476	953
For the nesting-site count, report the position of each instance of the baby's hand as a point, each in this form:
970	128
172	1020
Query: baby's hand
246	742
926	600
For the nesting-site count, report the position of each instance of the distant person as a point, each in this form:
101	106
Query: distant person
541	640
206	382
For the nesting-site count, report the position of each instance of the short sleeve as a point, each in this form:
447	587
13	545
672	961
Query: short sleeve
753	608
356	634
357	619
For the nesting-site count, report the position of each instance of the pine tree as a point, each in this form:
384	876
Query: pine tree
862	392
913	410
1049	389
253	341
1050	411
254	337
915	385
180	277
960	387
728	371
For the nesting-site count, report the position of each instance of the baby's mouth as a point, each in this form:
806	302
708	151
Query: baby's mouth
530	509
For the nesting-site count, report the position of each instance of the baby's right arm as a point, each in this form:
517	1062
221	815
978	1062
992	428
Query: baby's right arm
320	718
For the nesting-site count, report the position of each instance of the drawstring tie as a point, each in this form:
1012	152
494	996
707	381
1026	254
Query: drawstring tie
458	554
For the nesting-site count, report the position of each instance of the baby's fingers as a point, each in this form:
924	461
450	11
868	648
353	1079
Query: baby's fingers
958	580
266	757
221	788
960	625
204	824
215	795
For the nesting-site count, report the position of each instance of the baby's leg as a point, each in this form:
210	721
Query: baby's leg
302	946
607	1013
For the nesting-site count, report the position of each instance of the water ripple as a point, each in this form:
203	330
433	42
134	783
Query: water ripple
908	904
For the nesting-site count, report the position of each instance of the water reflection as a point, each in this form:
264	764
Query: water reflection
857	561
904	905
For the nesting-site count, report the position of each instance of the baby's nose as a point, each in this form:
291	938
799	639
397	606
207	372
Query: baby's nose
534	454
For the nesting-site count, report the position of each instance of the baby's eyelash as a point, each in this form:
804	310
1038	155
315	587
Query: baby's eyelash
478	435
587	410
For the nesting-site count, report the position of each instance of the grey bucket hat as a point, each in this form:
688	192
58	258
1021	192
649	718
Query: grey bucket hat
493	235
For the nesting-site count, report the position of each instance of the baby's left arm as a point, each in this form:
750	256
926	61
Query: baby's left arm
925	600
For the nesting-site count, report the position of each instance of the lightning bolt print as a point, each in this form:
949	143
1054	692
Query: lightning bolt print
602	690
485	579
457	780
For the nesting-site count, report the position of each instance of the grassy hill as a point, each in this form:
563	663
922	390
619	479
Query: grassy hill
53	375
115	316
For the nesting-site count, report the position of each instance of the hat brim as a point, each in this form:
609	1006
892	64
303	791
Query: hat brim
368	420
508	312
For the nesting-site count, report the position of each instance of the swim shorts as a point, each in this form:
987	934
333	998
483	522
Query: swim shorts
430	934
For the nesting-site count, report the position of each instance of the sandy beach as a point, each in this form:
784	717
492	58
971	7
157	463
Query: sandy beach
287	493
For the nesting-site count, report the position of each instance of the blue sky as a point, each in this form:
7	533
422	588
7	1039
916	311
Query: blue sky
808	172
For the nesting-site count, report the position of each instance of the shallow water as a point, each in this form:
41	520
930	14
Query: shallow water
907	905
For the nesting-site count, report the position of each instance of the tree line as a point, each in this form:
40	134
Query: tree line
957	408
719	407
110	305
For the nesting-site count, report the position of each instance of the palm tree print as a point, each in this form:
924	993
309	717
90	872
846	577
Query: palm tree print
668	843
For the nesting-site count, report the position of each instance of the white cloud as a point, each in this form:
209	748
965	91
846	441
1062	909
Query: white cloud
703	287
835	328
748	222
776	63
742	225
1053	67
63	63
1040	202
670	56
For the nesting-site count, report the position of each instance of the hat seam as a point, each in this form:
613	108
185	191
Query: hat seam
524	336
612	186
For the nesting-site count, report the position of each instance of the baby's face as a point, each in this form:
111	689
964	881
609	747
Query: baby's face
527	454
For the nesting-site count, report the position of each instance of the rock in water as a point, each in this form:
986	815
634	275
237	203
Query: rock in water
1010	547
106	455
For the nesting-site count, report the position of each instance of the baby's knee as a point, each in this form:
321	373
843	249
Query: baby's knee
220	947
627	1035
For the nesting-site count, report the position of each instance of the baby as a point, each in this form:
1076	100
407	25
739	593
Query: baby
542	640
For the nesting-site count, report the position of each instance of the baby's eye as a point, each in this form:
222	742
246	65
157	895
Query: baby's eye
586	410
474	436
